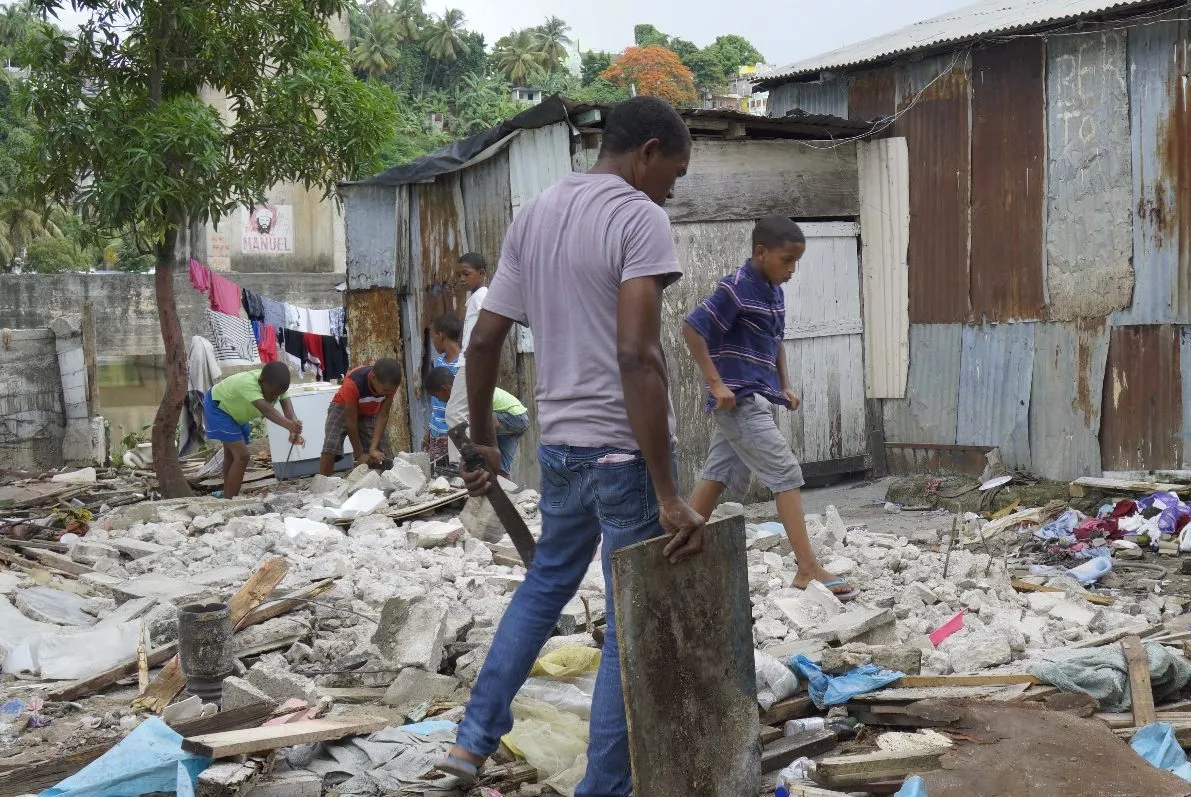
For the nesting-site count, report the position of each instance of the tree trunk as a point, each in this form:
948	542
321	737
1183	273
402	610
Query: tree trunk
170	480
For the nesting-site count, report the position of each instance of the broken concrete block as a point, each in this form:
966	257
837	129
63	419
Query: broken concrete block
47	605
801	613
574	615
238	693
851	625
413	687
320	484
84	476
272	676
1073	611
406	476
299	783
90	551
434	533
480	520
222	576
837	661
206	522
922	592
370	481
164	588
840	566
137	549
101	582
812	649
768	628
373	525
296	527
979	652
412	635
244	527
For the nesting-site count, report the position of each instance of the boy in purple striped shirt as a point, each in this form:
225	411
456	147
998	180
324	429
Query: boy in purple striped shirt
735	336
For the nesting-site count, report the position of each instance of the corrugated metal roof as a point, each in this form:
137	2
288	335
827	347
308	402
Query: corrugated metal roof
970	22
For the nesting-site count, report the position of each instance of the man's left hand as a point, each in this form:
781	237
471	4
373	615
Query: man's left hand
479	482
792	398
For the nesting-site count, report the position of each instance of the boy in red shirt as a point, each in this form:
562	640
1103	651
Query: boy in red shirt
360	413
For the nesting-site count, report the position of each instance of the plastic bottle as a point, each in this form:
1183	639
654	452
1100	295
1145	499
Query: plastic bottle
802	726
799	772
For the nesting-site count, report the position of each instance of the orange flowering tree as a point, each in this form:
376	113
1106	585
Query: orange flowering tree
656	72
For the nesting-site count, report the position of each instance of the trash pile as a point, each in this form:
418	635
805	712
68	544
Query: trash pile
361	608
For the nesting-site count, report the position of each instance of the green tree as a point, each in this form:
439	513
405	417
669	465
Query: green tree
552	41
593	63
520	59
444	39
20	227
50	255
118	104
409	19
16	21
648	36
376	50
733	52
600	92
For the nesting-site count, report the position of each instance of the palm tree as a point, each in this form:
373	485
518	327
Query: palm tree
21	225
521	59
376	50
552	41
408	19
445	39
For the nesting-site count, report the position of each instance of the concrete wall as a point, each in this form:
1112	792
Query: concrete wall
125	306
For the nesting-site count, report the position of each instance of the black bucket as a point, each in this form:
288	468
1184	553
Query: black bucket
205	648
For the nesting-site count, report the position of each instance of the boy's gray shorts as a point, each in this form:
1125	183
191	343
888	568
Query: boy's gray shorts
746	439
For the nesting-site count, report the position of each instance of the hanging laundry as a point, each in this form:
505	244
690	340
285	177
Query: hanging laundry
335	364
253	306
203	369
314	351
295	349
266	342
225	295
320	322
232	338
293	318
339	322
200	276
274	312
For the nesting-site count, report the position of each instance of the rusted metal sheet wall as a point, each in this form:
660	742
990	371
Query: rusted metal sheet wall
374	331
1089	232
872	94
1008	180
1065	402
930	411
1159	65
825	97
708	251
370	219
936	129
996	368
885	230
537	160
1143	399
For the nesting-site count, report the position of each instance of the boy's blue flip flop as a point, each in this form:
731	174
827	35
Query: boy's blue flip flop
843	597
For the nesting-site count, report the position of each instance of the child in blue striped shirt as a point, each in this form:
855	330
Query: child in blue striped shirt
446	332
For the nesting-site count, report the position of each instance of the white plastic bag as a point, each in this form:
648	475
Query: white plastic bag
775	681
572	695
548	739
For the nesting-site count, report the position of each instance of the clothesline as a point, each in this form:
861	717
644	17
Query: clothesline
305	337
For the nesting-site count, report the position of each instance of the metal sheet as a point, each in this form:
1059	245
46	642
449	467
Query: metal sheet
872	94
1159	69
443	239
374	329
1089	234
818	97
996	368
708	251
1143	401
537	160
930	411
370	219
936	128
973	20
885	231
1065	401
1008	181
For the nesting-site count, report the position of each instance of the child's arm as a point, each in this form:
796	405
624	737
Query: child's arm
351	414
378	432
784	381
725	399
269	411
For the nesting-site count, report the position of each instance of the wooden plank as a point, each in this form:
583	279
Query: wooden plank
687	666
791	708
231	720
354	694
291	602
932	693
770	734
273	737
1142	693
848	771
63	563
1082	486
785	751
170	681
928	681
100	681
745	180
1026	586
33	778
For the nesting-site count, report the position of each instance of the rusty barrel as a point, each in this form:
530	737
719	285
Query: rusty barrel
205	648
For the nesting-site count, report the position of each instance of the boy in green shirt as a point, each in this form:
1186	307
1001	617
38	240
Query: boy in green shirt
512	418
230	407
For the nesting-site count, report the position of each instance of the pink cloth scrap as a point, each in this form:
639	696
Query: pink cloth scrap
948	628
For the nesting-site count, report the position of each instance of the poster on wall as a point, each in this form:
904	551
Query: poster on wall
268	230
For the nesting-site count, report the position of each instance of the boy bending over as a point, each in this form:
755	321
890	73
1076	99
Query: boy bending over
512	418
360	412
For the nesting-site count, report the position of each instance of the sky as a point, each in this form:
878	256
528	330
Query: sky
783	30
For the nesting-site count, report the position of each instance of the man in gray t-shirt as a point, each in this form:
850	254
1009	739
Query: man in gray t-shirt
584	266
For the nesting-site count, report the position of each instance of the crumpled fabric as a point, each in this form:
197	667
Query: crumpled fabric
1103	674
826	690
1157	744
1061	528
1173	514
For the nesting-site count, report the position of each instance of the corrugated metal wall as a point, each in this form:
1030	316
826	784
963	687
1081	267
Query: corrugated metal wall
818	98
995	369
1065	399
1143	399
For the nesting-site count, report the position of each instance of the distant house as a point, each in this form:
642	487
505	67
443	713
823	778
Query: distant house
526	95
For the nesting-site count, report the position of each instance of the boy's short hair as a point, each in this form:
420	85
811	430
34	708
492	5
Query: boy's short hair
438	379
387	371
774	232
635	121
276	375
450	325
475	260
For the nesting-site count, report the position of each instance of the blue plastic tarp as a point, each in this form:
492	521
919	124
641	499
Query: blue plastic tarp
148	760
912	788
1157	744
827	690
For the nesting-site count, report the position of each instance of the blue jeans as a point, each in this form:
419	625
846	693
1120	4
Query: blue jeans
509	430
583	502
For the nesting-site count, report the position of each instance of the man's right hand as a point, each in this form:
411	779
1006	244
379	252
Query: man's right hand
686	526
479	482
724	398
